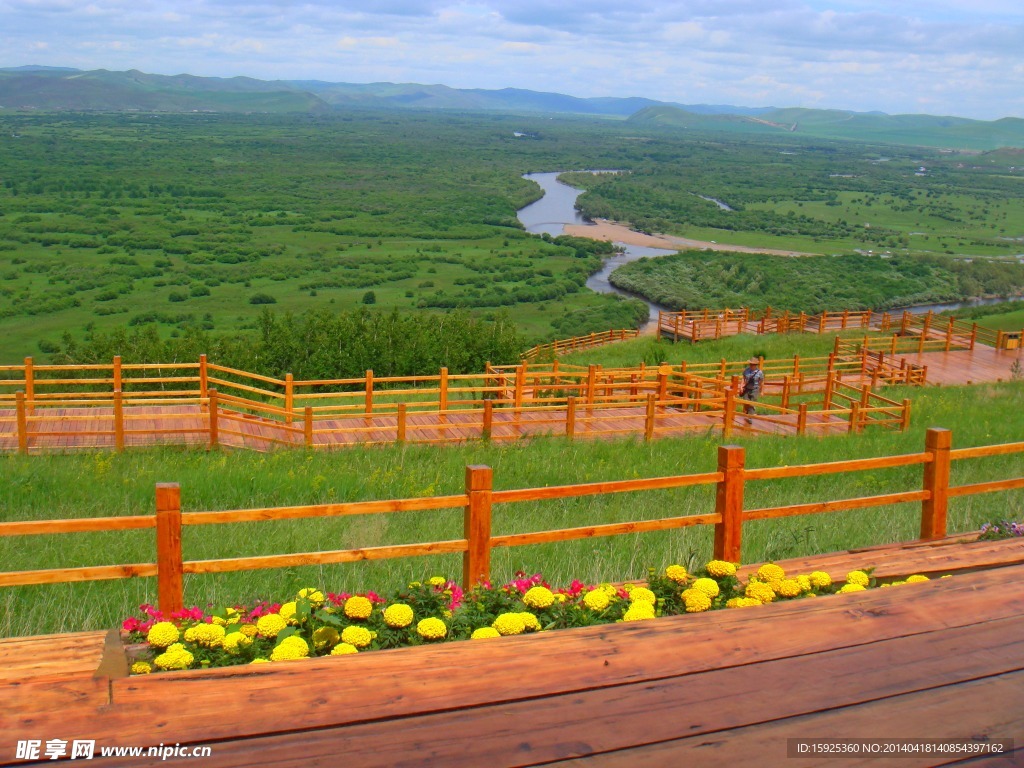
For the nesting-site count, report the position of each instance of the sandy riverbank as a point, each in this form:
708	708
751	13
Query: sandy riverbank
602	229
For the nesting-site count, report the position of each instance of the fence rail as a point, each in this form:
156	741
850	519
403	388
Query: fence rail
480	498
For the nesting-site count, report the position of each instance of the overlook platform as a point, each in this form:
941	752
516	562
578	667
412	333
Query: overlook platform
937	660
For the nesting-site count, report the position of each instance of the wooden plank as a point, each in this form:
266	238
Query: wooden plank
621	717
436	678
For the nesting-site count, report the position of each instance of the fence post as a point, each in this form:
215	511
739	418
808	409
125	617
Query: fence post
307	425
401	422
905	420
289	397
730	411
729	504
937	442
854	417
663	371
570	417
368	397
117	373
118	420
520	386
785	391
168	548
488	425
476	562
204	376
829	384
442	398
30	385
801	419
591	381
19	400
214	436
649	417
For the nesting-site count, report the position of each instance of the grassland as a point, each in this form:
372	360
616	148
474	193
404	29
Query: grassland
101	484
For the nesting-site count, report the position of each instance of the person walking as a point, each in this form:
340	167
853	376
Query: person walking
753	380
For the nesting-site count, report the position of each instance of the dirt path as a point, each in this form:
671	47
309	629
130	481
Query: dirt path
602	229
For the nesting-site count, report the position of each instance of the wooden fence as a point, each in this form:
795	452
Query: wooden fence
566	346
480	498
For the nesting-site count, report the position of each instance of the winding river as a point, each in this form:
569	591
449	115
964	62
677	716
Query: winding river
557	209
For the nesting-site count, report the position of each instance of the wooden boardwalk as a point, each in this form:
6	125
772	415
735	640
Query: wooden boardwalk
938	660
968	366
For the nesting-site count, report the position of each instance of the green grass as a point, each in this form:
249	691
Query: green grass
108	484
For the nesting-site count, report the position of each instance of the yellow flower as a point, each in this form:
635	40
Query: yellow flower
760	592
696	600
742	602
917	578
141	668
677	574
431	629
358	607
270	625
162	634
642	595
249	630
324	637
858	577
789	588
484	632
804	582
235	642
292	647
360	637
538	597
852	588
720	568
313	595
529	621
770	572
820	580
560	597
639	610
708	586
509	624
175	657
231	617
596	599
398	615
437	581
342	649
208	635
287	612
260	660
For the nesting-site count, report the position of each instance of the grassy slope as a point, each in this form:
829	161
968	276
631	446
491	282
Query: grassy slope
101	484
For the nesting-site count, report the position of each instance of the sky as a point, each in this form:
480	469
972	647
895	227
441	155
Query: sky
940	57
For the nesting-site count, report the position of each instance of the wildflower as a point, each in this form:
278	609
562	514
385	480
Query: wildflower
720	568
162	634
696	600
708	586
342	649
398	615
431	629
484	632
270	625
509	624
539	597
358	607
858	577
596	599
360	637
642	595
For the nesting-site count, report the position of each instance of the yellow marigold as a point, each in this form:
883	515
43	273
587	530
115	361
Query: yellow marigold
596	599
560	597
325	637
292	647
642	595
509	624
708	586
313	595
343	649
260	660
287	612
231	617
538	597
208	635
141	668
760	591
398	615
431	629
529	621
358	607
696	600
249	630
847	588
162	634
437	581
191	634
484	632
858	577
805	582
917	578
175	657
360	637
789	588
235	642
270	625
610	589
639	610
677	574
820	580
720	568
742	602
770	572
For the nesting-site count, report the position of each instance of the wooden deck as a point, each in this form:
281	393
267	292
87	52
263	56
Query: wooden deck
939	660
968	366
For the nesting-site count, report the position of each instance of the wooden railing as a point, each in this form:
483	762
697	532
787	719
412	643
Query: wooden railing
479	500
565	346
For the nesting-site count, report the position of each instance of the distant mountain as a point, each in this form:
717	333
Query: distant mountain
918	130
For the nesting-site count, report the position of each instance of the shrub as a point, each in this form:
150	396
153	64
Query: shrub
262	298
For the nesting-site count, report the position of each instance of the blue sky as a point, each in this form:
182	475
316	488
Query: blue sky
947	57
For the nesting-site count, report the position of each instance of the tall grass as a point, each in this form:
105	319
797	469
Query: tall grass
102	484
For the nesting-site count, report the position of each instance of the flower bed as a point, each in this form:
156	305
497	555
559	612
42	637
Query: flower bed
315	623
